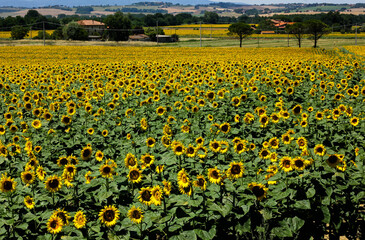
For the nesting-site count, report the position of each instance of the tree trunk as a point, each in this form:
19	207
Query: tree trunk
240	41
315	40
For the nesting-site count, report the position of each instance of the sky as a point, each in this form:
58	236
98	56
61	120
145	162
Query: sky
38	3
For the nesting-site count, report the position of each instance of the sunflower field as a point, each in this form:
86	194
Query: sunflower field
181	143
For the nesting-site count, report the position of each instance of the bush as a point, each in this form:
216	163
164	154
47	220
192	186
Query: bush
74	31
19	32
40	35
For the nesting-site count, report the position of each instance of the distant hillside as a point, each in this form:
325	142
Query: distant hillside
74	3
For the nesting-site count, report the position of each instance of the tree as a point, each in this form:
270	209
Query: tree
74	31
298	30
57	34
316	29
19	32
240	29
40	35
211	17
151	32
119	26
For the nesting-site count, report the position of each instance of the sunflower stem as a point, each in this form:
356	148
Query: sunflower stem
141	232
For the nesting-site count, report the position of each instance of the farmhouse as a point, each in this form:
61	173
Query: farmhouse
94	28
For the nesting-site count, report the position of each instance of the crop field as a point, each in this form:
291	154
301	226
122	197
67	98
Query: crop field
104	142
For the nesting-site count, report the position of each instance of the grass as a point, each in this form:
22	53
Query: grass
195	42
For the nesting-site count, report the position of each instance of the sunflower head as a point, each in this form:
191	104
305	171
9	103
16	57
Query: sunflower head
53	183
109	215
135	215
79	219
86	153
7	184
235	170
29	202
54	224
28	177
200	182
286	163
135	175
145	196
214	175
258	189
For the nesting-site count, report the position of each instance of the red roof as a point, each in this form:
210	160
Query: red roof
90	23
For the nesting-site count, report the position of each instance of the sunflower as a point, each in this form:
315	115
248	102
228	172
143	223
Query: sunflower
183	178
62	161
150	142
40	173
235	170
109	215
264	120
29	202
264	153
54	224
333	160
186	190
107	170
91	131
105	133
178	148
225	127
299	163
99	155
214	175
28	177
354	121
145	196
286	163
200	182
302	142
320	150
37	149
147	160
199	141
86	153
274	143
7	184
79	219
258	189
156	195
134	175
53	183
135	215
297	109
144	124
63	215
215	146
66	120
69	171
240	146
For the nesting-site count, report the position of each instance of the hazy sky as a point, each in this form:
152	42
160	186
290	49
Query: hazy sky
37	3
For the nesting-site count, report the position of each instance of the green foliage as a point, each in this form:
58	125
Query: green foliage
19	32
316	29
119	26
240	29
74	31
40	35
84	10
151	32
211	17
298	30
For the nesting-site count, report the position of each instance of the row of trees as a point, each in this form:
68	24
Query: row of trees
313	29
339	22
